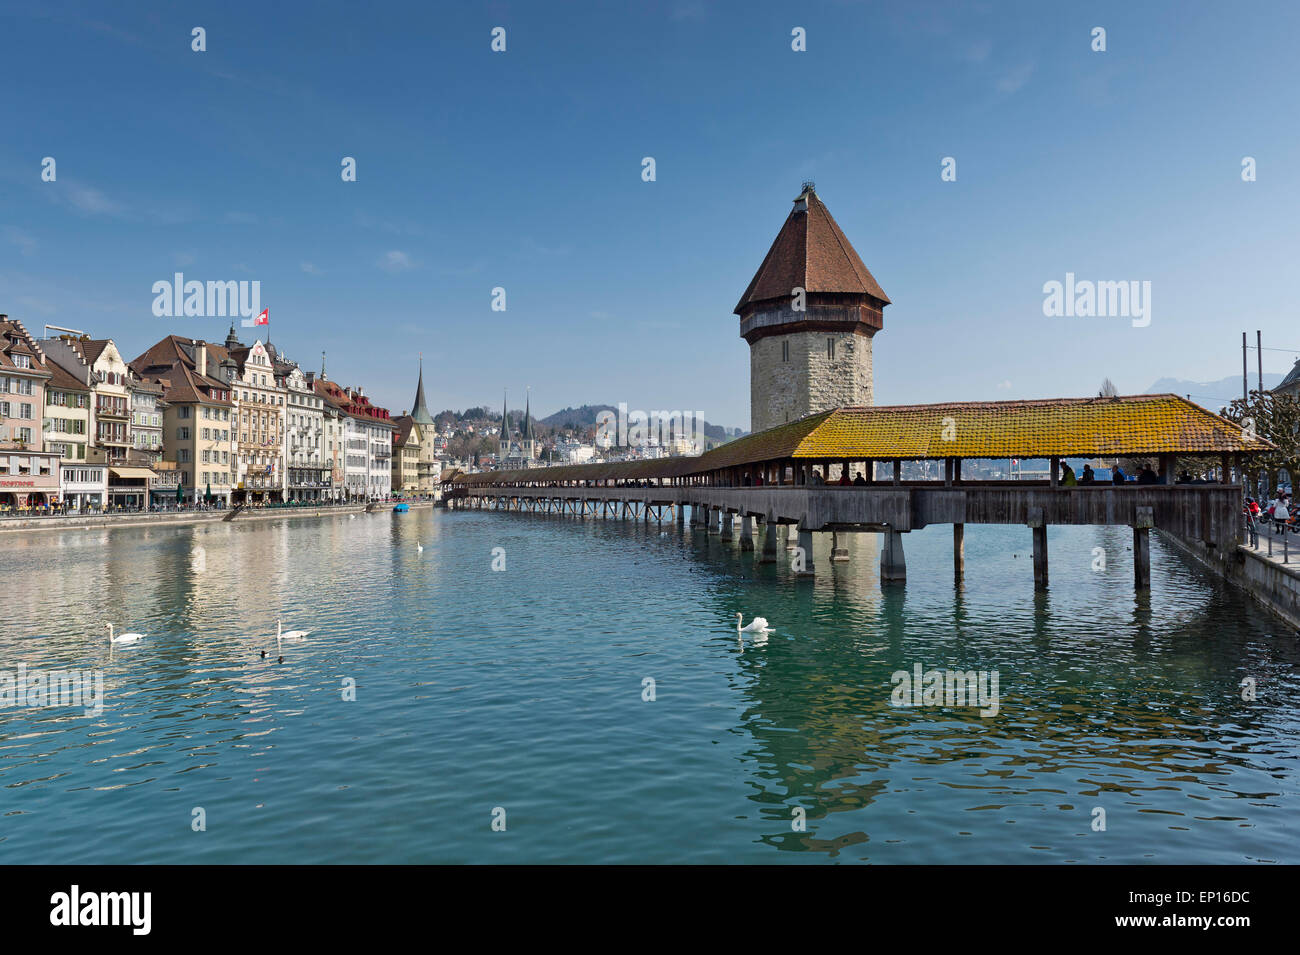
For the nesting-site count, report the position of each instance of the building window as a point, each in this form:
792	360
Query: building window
785	351
830	348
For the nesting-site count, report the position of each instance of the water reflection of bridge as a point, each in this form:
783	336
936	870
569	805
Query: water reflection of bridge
822	474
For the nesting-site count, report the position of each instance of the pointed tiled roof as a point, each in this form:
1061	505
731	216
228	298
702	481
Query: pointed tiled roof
421	412
183	385
1292	380
812	253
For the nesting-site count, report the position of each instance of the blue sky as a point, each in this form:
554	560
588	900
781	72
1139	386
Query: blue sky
523	170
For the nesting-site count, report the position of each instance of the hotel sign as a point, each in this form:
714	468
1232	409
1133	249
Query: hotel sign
17	483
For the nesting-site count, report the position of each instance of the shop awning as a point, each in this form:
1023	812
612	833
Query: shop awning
131	473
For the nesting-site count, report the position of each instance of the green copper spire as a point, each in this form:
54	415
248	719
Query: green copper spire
421	413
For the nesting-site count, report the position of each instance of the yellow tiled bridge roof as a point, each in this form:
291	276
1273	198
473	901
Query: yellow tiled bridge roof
1129	426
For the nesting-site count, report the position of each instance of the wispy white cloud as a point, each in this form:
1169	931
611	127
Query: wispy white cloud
25	241
1014	80
90	200
37	304
183	259
396	261
393	227
311	269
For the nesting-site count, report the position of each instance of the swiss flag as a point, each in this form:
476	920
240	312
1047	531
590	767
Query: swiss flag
264	318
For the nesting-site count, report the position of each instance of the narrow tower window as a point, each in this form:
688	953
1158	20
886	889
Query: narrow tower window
785	351
830	348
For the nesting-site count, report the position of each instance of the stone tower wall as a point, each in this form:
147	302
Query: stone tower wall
810	381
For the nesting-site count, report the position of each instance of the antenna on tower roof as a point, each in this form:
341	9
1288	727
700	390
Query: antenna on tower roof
809	186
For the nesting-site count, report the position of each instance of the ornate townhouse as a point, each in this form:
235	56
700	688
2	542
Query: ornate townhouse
29	472
198	418
67	414
367	442
96	363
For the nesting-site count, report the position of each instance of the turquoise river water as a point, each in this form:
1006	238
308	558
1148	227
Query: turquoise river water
520	694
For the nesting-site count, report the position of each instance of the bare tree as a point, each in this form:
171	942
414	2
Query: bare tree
1108	389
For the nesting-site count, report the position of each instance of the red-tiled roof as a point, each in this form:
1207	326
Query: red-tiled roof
810	252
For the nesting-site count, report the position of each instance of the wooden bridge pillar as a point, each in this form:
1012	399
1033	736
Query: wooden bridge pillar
769	540
893	564
713	520
680	510
1142	548
746	533
727	527
839	553
1040	547
959	552
806	545
792	537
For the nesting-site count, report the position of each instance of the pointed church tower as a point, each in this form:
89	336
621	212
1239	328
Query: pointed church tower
421	414
809	315
527	442
504	444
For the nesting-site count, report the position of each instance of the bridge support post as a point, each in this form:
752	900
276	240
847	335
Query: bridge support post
746	533
1142	548
959	552
713	520
792	537
805	550
1040	547
727	527
839	553
680	510
893	563
769	540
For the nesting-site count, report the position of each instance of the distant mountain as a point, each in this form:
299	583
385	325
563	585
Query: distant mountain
1211	394
585	417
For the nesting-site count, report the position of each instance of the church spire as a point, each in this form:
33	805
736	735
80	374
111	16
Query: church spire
421	409
504	444
527	444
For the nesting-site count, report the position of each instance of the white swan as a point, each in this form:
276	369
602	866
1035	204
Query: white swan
293	636
419	548
124	637
757	625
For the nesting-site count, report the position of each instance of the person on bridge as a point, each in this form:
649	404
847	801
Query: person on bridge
1147	476
1117	475
1067	476
1088	476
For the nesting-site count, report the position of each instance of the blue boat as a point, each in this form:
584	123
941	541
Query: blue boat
401	508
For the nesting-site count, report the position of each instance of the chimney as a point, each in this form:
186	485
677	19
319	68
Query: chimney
201	357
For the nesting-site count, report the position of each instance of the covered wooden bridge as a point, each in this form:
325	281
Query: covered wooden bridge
841	471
